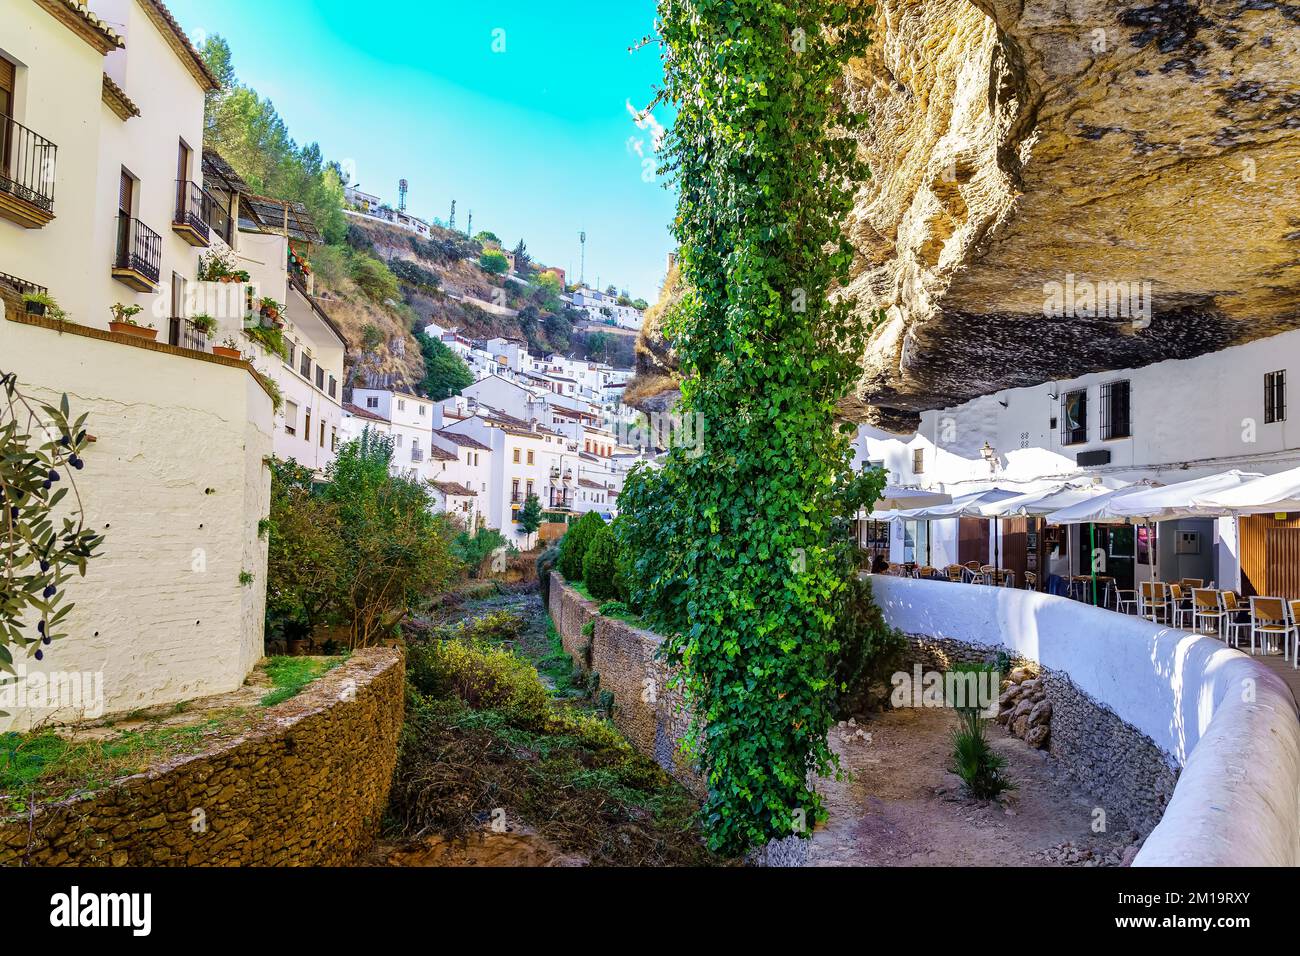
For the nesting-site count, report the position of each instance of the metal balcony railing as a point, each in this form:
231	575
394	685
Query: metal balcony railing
219	218
417	454
194	207
26	164
181	333
139	248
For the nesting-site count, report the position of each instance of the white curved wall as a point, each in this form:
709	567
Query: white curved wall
1226	719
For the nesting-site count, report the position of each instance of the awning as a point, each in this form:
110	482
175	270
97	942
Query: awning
1171	502
895	498
1150	502
1035	504
1272	493
966	506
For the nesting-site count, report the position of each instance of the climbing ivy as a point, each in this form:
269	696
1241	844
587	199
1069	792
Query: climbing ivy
745	562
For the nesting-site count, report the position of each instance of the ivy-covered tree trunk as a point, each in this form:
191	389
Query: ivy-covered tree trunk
761	154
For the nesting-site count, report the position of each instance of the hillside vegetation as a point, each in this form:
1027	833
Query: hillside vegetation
382	284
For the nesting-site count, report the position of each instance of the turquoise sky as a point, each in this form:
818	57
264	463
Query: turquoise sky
536	140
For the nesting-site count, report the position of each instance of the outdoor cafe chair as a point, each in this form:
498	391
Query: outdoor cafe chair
954	572
1207	605
927	572
1126	600
1189	583
1155	601
1269	618
1294	608
1179	607
1235	618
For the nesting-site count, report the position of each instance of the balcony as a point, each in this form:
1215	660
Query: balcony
139	255
26	175
417	454
194	213
181	333
561	502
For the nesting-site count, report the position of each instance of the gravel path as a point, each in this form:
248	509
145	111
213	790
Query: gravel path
901	807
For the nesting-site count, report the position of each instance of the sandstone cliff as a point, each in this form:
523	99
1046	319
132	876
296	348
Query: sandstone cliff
1145	149
1017	144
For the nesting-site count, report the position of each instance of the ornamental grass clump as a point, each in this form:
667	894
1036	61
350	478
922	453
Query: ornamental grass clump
981	768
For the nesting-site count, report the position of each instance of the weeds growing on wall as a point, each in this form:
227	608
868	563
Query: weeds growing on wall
735	547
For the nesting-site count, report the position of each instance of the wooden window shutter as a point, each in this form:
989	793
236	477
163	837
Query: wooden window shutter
125	193
8	79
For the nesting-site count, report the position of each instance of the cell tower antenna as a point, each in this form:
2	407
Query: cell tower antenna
451	223
469	226
402	187
582	273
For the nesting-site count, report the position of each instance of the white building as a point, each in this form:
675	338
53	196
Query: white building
271	243
407	418
363	205
603	307
105	102
1168	422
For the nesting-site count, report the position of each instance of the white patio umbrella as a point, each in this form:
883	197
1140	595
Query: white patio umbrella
895	498
964	506
1035	504
1171	502
1151	504
1272	493
1097	509
1093	511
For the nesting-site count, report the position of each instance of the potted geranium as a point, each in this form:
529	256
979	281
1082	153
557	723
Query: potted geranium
229	348
124	322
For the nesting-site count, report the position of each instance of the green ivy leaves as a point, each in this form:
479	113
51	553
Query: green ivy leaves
739	551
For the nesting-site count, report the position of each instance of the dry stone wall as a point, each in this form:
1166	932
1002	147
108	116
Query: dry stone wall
306	787
1129	775
648	709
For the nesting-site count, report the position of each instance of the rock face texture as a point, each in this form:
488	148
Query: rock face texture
1143	148
1018	143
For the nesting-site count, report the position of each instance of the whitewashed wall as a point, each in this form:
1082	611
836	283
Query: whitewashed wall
1228	721
177	484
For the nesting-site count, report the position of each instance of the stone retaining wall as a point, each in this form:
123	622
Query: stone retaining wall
306	787
648	710
1215	716
1116	763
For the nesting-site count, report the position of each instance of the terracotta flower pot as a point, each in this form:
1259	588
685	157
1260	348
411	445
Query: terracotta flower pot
139	331
228	353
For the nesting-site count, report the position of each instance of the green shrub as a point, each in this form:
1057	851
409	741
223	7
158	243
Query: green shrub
978	764
494	626
573	546
480	675
373	278
614	609
494	261
546	563
600	565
